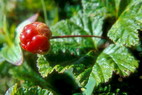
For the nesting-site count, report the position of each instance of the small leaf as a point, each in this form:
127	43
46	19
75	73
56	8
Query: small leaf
125	30
12	54
113	58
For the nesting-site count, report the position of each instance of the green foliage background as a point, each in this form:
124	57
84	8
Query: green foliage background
73	66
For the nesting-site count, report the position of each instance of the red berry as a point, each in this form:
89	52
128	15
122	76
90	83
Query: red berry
35	38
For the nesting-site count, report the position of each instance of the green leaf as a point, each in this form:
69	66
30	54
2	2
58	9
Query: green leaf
78	25
83	76
97	7
14	90
13	54
113	58
91	26
125	30
43	66
64	61
59	62
91	7
33	91
106	8
65	52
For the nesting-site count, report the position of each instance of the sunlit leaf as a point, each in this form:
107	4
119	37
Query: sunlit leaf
91	61
125	30
47	64
112	59
78	25
107	8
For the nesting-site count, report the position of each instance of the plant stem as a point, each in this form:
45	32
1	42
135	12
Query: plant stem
44	10
72	36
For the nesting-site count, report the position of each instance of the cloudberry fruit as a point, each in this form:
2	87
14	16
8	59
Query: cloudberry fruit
35	38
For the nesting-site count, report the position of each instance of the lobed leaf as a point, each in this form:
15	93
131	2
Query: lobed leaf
66	52
47	64
125	30
113	58
106	8
78	25
81	66
91	70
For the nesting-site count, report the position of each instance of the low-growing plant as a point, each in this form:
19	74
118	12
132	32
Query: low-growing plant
85	50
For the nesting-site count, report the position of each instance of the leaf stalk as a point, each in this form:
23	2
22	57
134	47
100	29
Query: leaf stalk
73	36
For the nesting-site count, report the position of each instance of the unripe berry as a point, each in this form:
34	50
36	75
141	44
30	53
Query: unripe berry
35	38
